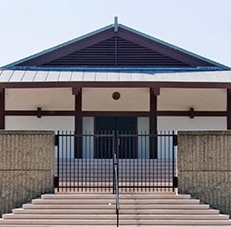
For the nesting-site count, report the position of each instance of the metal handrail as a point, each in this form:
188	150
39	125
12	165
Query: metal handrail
116	185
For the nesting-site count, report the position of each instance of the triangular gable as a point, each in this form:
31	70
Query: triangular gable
110	47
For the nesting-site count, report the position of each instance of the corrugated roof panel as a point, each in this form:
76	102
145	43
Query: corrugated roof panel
125	76
137	77
149	77
17	76
6	75
101	76
29	76
113	77
53	76
41	76
89	76
77	76
62	76
65	76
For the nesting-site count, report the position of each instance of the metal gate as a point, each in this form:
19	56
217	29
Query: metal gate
85	162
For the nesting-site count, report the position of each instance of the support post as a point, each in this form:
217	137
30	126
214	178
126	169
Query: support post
2	109
78	124
228	108
153	122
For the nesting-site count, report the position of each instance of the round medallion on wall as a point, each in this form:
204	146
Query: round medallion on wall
116	95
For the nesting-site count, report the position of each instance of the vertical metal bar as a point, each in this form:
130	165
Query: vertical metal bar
95	158
147	138
73	150
128	156
125	150
173	160
58	159
156	181
82	172
65	147
117	146
63	160
165	157
91	159
70	173
144	158
109	160
101	162
137	171
78	163
86	145
169	160
106	168
114	152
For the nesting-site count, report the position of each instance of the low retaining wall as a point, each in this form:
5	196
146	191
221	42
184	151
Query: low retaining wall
26	167
204	167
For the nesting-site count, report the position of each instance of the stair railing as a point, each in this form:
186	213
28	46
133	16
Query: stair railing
116	187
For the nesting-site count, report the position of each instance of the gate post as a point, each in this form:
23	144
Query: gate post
56	178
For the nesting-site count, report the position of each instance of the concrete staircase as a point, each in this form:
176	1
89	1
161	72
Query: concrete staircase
98	209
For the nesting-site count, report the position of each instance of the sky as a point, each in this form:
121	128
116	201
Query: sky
30	26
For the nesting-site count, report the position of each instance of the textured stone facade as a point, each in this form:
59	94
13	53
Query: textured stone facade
204	167
26	166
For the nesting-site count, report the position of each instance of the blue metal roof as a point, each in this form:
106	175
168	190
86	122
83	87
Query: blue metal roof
117	69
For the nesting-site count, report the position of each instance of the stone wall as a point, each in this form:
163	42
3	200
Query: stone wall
26	167
204	167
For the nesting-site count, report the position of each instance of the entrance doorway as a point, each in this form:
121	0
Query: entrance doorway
119	125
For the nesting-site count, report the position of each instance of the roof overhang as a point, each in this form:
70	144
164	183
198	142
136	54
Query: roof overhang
65	79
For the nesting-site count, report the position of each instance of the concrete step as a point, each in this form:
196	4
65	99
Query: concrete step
98	209
111	196
138	225
103	216
48	222
112	206
112	201
122	211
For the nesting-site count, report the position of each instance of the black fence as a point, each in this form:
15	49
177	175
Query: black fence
145	162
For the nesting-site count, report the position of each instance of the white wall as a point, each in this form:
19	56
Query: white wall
43	123
46	98
186	123
100	99
199	99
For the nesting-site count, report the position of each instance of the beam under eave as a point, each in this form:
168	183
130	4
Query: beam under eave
2	109
119	84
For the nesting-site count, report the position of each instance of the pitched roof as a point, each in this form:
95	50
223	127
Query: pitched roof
116	46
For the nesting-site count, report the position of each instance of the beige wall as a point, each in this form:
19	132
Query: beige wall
43	123
187	123
26	166
204	167
46	98
100	99
199	99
